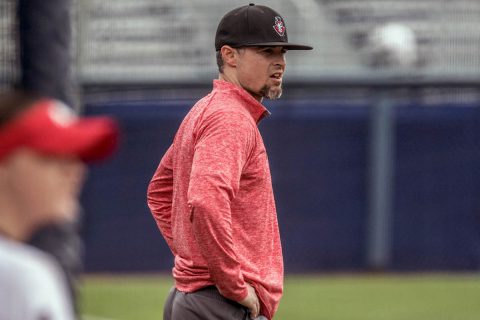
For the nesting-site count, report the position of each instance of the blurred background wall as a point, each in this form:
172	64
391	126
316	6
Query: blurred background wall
374	147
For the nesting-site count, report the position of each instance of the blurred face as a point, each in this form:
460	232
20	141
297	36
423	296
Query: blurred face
43	188
259	70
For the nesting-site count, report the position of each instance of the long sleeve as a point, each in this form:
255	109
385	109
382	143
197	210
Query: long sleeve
221	151
159	197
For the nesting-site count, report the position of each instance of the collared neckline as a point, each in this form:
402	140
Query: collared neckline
254	107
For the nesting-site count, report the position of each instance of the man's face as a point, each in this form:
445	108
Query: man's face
43	188
260	71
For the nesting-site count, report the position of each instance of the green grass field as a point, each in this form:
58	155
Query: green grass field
328	297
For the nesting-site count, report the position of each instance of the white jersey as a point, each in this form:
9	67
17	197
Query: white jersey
31	285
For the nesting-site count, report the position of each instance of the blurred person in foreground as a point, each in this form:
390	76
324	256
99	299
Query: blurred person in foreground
43	46
211	195
43	148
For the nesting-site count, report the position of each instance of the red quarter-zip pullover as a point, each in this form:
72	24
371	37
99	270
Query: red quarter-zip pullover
212	199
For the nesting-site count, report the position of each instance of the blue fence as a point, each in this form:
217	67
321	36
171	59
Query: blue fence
320	168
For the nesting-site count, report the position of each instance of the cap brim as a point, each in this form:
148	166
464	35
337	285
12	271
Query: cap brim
289	46
50	127
87	139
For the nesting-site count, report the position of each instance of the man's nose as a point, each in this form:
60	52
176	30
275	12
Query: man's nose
280	60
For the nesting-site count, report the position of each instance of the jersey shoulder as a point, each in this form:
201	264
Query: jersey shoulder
32	283
20	259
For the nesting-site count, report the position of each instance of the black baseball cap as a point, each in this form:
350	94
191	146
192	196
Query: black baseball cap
254	26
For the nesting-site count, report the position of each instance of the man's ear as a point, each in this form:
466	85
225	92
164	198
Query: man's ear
229	56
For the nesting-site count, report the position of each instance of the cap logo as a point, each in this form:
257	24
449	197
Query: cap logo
61	115
279	26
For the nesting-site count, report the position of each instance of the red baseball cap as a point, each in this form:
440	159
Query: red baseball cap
50	127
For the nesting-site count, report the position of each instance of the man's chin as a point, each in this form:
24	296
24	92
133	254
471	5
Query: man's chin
274	94
68	212
271	93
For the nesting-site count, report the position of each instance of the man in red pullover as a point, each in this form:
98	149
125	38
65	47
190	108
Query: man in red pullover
211	195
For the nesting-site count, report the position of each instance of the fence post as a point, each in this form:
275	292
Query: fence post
380	183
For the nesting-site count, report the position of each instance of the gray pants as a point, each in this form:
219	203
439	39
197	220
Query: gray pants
204	304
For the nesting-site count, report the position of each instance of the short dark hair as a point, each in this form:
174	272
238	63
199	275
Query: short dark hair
14	102
220	62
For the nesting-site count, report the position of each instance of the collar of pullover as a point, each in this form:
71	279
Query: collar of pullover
255	108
